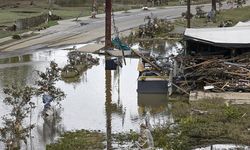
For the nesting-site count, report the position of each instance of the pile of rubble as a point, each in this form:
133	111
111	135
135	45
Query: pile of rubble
214	73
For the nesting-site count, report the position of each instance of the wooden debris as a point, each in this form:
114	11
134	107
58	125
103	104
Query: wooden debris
224	74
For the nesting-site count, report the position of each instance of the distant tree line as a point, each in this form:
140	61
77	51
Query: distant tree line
100	2
89	2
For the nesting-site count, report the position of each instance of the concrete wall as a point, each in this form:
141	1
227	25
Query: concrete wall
233	97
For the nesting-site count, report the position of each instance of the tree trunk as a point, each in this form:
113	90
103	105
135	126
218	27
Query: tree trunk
31	2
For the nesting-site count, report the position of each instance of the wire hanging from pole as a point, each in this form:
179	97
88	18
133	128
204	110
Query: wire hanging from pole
116	31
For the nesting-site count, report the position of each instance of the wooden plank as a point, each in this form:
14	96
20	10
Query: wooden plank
118	53
200	64
146	60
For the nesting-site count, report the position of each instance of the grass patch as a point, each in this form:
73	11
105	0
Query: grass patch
8	16
72	12
235	15
220	123
79	140
14	33
47	25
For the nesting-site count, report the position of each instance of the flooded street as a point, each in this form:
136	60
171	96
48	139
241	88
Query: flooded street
107	101
98	100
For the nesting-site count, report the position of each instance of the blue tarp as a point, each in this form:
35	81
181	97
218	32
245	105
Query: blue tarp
47	99
118	44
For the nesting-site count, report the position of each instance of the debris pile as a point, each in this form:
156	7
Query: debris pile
78	58
214	73
78	62
200	13
226	23
154	27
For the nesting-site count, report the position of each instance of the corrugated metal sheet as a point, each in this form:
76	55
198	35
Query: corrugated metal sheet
233	36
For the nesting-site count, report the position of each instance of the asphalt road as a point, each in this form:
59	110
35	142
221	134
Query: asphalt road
71	32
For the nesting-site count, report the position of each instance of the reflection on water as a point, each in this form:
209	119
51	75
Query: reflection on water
15	75
51	127
162	48
152	100
154	109
108	108
100	100
16	59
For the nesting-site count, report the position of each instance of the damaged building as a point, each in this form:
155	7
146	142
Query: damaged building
216	60
228	41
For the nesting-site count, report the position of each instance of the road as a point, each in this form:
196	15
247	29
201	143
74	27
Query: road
70	32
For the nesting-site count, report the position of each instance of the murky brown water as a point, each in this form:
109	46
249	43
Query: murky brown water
99	100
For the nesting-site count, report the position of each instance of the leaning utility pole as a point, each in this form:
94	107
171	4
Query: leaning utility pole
188	13
108	9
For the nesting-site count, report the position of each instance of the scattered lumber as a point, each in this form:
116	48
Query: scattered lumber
214	73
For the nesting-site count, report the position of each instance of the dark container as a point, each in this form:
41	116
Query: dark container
111	64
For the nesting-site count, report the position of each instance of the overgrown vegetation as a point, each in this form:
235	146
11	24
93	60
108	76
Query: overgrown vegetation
79	140
212	121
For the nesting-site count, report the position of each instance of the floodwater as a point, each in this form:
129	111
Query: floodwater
99	100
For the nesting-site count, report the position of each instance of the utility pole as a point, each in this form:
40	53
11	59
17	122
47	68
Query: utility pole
214	5
188	13
108	9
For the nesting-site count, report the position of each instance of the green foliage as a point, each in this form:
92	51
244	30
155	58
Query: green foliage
170	137
19	100
47	25
13	130
120	138
232	113
220	123
16	37
46	84
79	140
236	15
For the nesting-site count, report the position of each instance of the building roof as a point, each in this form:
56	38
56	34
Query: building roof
234	37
